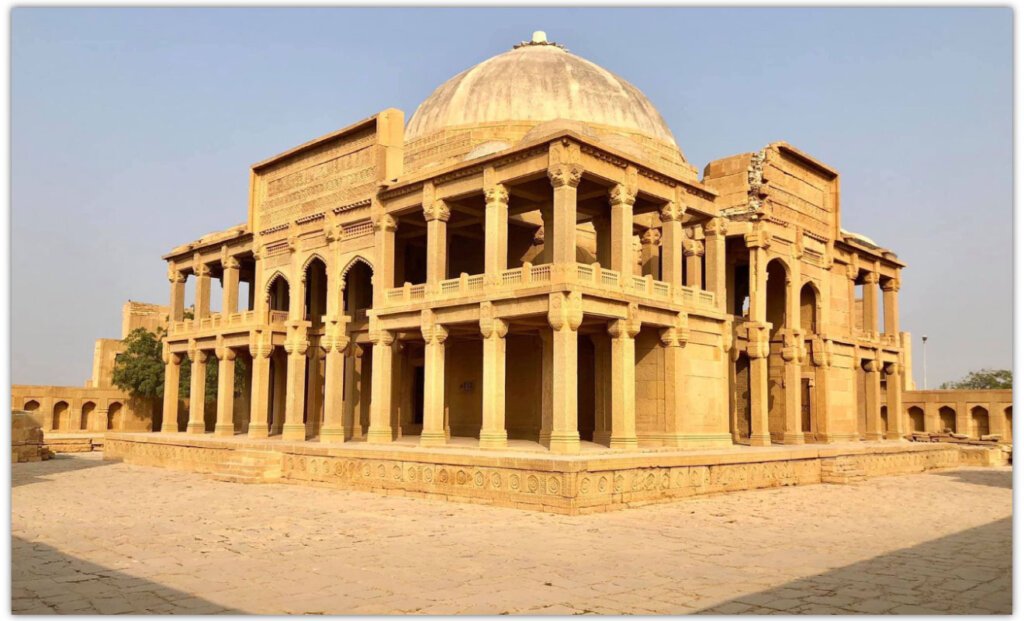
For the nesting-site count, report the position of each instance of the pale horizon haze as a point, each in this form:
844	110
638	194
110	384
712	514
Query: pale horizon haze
132	131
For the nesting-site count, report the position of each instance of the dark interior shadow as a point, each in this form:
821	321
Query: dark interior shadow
991	478
45	580
969	572
38	471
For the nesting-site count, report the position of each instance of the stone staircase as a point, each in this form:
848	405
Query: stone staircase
249	466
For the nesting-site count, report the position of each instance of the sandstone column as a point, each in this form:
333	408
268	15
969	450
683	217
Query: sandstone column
354	388
334	385
384	228
565	314
380	399
757	241
225	391
714	259
649	253
674	342
623	380
564	180
493	433
894	401
495	232
436	214
229	301
177	280
622	201
259	401
672	244
280	381
434	336
891	303
870	304
872	400
202	308
172	378
295	395
693	249
793	356
197	391
603	238
602	389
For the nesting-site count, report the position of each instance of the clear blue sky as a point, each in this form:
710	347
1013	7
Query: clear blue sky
133	130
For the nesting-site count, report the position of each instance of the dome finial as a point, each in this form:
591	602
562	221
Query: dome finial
539	38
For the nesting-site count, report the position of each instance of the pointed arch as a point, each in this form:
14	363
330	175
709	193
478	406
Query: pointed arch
113	416
88	414
273	278
60	412
778	274
312	257
352	263
810	307
277	292
31	405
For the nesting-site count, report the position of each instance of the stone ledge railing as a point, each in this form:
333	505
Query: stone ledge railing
218	321
528	274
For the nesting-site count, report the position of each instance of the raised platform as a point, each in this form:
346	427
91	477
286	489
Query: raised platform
527	477
83	442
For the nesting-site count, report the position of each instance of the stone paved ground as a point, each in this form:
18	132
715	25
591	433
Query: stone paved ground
91	536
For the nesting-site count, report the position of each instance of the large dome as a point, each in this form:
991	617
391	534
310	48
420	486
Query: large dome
533	84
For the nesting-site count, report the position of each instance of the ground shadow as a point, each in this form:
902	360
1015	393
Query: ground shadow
969	572
45	580
991	478
38	471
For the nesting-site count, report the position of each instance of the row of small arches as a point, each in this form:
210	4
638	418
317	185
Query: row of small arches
980	420
61	415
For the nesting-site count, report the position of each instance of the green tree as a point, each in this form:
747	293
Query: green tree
139	370
984	378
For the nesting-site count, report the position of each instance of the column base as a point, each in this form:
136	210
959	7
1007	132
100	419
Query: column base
332	434
603	437
873	436
622	443
169	429
760	440
894	435
295	432
433	438
227	430
564	443
275	431
700	440
493	439
259	432
196	428
379	436
793	438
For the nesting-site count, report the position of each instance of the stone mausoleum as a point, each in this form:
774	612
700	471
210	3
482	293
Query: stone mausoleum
527	294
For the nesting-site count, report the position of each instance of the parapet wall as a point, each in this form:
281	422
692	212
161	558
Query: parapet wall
975	413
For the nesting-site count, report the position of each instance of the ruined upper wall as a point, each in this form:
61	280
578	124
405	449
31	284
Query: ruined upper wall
143	315
327	174
782	183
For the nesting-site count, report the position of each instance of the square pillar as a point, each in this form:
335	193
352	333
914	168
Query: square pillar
384	227
873	400
495	232
623	383
225	392
650	253
493	433
672	243
280	381
436	214
314	384
260	389
891	304
714	259
172	378
792	376
602	389
693	250
295	390
202	305
229	284
621	200
603	238
870	304
177	280
380	400
354	388
565	314
757	352
894	402
434	336
334	386
197	391
545	234
565	178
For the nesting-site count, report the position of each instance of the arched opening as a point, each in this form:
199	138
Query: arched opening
31	406
314	308
280	293
885	419
947	419
741	399
60	415
916	418
1008	413
114	416
775	295
809	309
358	294
979	422
315	304
88	412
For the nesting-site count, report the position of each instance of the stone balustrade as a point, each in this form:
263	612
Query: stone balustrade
224	322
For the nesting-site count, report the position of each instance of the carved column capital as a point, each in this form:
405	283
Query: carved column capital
436	210
230	263
651	237
174	275
491	326
433	332
385	222
196	355
565	311
692	248
620	194
715	227
871	278
891	284
496	194
672	211
378	336
565	175
757	238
